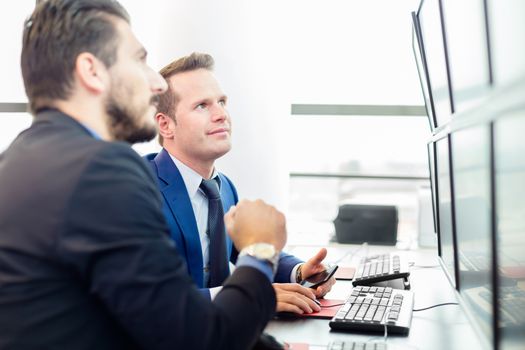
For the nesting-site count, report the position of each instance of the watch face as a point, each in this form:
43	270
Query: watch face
263	250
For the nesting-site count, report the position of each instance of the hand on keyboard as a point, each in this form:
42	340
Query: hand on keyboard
292	297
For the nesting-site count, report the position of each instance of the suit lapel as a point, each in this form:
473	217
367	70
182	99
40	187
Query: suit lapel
176	196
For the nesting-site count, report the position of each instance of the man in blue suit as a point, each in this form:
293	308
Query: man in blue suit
195	130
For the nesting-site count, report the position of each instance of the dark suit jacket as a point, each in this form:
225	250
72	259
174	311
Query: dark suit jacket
86	261
179	215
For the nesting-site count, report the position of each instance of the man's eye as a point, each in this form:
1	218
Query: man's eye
200	106
222	102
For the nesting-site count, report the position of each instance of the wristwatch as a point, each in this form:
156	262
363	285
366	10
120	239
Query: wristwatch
263	251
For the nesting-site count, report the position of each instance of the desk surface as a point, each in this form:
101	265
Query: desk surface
444	327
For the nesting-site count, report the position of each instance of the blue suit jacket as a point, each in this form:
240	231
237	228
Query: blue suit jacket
179	214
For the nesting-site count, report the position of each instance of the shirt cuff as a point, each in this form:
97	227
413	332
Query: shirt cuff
214	291
293	274
261	265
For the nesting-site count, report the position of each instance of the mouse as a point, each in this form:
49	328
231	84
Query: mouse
268	342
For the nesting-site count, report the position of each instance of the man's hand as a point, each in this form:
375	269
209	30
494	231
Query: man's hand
252	222
292	297
313	266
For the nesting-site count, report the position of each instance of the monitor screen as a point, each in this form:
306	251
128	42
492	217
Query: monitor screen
509	172
445	209
429	18
419	56
507	35
467	51
471	169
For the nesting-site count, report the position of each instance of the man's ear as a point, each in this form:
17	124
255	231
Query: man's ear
91	73
166	125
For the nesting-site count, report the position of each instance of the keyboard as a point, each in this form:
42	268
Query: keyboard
377	268
370	308
355	345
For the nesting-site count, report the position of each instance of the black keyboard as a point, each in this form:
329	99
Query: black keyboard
379	268
355	345
370	308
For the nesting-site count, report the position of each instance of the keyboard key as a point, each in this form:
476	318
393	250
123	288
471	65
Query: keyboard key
396	308
370	313
361	313
378	317
393	315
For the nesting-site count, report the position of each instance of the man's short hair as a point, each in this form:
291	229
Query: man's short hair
55	34
168	101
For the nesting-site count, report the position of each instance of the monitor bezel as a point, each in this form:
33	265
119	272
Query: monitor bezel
431	148
453	280
446	59
419	51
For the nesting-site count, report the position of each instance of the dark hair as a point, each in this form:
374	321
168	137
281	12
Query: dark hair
55	34
168	100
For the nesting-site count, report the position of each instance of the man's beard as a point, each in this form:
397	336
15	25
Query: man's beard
124	124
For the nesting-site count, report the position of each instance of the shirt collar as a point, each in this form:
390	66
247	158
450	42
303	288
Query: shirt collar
192	180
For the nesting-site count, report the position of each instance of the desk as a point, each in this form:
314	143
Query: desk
444	327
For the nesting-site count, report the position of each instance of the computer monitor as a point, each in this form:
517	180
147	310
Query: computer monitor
431	26
507	35
445	210
419	56
433	184
472	197
465	24
509	173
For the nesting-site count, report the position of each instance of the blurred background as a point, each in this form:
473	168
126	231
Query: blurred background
324	96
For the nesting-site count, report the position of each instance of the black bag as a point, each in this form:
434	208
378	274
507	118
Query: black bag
375	224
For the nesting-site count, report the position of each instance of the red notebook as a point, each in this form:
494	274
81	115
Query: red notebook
344	273
329	308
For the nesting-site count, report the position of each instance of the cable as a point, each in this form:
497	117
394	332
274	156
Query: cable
386	332
433	306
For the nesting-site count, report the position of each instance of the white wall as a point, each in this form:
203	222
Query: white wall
244	38
268	54
11	25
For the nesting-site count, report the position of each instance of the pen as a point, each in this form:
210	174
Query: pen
317	302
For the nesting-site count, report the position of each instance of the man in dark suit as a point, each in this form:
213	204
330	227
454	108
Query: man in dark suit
195	129
85	257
